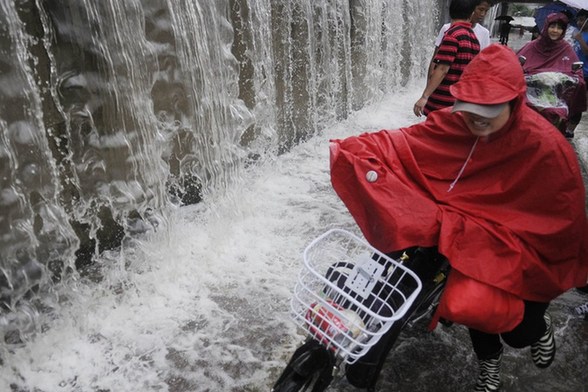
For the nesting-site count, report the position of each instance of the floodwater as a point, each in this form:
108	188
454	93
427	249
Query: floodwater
203	305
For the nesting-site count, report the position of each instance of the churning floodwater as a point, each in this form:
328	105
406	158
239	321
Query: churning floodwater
204	305
163	167
114	112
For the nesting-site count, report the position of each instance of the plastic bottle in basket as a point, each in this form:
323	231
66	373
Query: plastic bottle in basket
332	325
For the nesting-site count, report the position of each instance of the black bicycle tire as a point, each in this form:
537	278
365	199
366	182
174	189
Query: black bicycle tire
295	382
309	369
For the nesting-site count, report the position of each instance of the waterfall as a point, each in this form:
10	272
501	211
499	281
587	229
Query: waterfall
113	113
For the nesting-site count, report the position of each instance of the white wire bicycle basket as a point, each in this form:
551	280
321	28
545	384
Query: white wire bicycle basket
348	294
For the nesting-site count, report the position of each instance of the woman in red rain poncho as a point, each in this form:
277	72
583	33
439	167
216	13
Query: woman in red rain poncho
496	188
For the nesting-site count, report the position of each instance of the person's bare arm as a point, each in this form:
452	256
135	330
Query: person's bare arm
432	63
435	78
578	37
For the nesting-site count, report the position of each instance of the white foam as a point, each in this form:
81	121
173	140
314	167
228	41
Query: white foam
205	301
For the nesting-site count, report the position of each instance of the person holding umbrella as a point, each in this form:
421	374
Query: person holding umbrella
505	27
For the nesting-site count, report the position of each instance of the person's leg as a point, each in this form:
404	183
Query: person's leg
535	330
583	289
488	349
530	329
485	345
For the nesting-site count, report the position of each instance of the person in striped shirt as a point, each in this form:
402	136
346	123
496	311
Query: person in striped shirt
482	33
457	49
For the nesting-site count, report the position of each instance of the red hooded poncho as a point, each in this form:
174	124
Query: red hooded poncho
547	55
515	218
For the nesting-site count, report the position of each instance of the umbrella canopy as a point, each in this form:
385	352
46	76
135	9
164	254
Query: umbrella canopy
525	21
559	6
580	4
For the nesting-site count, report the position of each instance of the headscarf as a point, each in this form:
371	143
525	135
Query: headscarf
556	17
516	218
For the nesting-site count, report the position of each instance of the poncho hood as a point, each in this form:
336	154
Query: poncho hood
544	39
493	76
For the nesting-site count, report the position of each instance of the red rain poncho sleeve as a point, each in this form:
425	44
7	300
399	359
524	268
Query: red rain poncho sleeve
514	220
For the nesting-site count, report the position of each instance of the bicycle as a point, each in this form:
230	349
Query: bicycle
353	302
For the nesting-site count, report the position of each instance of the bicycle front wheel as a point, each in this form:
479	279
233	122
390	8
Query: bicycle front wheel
309	369
294	382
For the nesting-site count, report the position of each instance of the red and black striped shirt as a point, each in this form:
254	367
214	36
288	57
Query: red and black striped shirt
457	49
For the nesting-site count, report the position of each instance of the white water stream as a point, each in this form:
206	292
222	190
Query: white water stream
203	305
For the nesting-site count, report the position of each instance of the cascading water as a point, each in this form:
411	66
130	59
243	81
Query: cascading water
35	233
113	113
111	109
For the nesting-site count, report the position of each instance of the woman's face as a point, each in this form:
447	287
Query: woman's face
555	31
482	126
